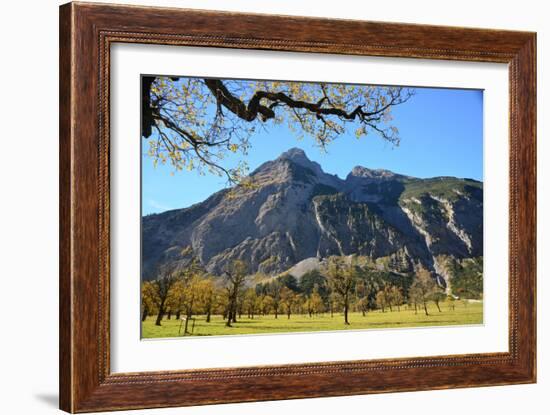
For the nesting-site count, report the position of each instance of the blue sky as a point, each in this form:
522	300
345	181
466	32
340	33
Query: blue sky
441	134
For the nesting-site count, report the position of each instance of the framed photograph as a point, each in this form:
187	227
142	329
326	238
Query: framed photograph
261	207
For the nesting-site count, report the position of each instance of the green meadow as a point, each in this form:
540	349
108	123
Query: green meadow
463	313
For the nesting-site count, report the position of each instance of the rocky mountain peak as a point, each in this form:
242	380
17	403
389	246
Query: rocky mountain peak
294	156
298	156
294	166
360	171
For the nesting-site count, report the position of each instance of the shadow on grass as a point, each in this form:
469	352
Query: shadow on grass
414	324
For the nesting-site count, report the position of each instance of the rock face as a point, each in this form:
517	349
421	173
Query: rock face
294	211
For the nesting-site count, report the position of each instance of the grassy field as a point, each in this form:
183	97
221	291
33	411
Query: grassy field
470	313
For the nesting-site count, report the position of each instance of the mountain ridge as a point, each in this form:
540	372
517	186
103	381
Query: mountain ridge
295	211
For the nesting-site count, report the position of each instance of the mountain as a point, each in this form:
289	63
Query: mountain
295	214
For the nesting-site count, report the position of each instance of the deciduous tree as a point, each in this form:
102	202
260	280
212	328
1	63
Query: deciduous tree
148	299
341	278
267	304
194	123
288	299
437	297
275	288
162	288
423	288
206	296
235	276
382	300
250	302
396	296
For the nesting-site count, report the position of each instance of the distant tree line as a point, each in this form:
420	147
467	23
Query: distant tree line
342	286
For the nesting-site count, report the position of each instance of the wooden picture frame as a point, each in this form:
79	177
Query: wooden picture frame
86	33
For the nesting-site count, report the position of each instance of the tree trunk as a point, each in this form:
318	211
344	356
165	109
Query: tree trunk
144	314
208	315
159	316
235	310
232	310
346	307
437	304
426	309
186	325
229	318
178	314
234	315
169	315
288	313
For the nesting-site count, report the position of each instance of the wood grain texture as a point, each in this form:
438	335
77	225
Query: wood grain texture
65	137
86	33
